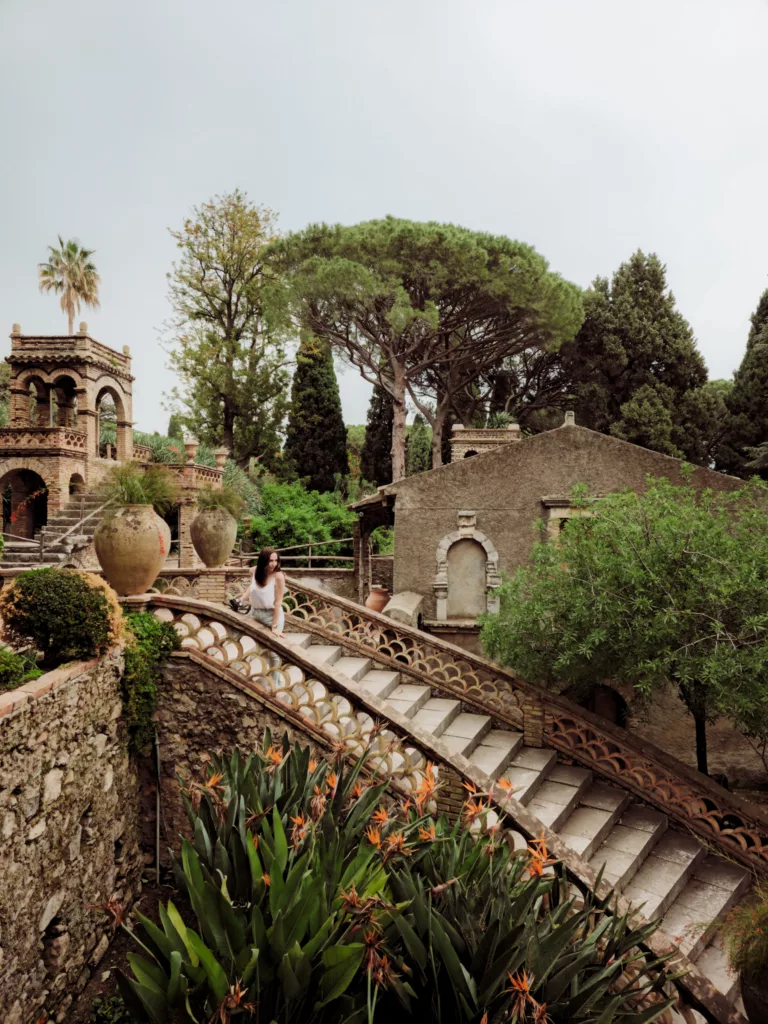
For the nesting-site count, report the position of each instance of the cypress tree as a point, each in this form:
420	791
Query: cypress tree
748	400
376	457
419	457
316	438
174	426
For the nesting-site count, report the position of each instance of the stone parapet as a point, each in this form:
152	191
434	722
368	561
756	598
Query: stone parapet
69	826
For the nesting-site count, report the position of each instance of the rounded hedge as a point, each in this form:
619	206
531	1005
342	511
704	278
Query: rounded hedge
65	614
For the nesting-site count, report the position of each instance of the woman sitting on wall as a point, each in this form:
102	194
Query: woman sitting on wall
265	591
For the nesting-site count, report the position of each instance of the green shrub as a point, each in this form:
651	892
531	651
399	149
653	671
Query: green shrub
291	515
746	935
171	449
131	484
383	540
243	484
313	908
64	613
149	642
220	497
111	1010
16	669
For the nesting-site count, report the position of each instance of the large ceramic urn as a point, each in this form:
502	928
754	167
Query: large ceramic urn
131	547
213	532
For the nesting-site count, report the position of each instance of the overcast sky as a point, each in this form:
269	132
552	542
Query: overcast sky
587	128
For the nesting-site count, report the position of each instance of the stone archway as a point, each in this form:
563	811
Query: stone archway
466	560
25	503
108	397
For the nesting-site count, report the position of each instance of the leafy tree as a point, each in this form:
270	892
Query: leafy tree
421	309
227	337
634	359
71	273
316	439
419	446
376	456
748	401
5	394
291	515
669	587
175	426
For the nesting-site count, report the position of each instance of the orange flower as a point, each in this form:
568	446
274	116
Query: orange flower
426	786
428	835
267	880
312	767
357	790
537	852
407	807
470	787
507	787
521	991
317	804
396	844
373	835
472	809
331	781
214	780
380	816
255	841
275	756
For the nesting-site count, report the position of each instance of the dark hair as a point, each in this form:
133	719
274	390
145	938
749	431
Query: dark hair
261	565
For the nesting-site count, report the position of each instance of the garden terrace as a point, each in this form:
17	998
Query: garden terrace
348	668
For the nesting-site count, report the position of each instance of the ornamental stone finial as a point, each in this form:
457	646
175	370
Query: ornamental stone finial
83	328
570	419
16	329
127	350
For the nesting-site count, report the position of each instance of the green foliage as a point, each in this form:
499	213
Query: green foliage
316	439
66	614
383	540
131	484
419	458
176	426
243	485
149	641
376	453
227	334
423	307
313	909
220	497
5	393
71	273
291	515
668	587
16	669
747	404
635	360
111	1010
746	934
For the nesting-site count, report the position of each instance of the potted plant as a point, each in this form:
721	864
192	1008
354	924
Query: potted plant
746	940
214	528
132	541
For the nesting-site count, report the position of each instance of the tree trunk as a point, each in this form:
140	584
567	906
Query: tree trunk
71	322
700	720
438	426
229	429
398	422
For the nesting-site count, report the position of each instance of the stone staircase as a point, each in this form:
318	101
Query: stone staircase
669	873
58	541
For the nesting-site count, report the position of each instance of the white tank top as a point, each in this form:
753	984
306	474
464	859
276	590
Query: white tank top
263	597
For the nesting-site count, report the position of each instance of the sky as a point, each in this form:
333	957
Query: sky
586	128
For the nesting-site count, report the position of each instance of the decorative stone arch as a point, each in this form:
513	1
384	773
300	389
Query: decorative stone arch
23	490
65	387
467	530
106	385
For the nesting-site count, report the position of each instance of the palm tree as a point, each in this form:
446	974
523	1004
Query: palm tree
70	272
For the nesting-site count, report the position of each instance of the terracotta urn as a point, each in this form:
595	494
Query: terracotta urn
378	599
213	533
131	547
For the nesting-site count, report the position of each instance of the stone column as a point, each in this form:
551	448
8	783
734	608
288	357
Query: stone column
44	407
88	421
124	441
19	405
187	512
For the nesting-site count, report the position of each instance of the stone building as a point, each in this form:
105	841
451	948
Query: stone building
457	528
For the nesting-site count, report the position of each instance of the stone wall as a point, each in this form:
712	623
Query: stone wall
200	712
69	825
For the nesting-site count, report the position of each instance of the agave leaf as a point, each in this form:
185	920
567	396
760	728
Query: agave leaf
217	978
156	937
413	943
174	917
290	983
281	843
341	965
174	990
203	841
142	1000
148	974
319	937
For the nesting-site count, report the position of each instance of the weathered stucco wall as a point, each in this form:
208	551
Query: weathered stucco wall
505	487
69	826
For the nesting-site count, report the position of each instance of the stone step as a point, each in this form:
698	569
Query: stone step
713	964
465	732
714	888
354	668
598	811
558	796
407	698
299	639
628	844
664	874
529	768
495	751
436	715
380	682
323	654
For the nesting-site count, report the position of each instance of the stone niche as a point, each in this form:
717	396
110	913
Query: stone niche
69	825
467	572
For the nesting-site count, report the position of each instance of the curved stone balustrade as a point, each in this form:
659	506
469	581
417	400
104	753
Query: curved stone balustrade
734	826
35	438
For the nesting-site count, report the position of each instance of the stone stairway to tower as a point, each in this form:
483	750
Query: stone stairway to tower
71	528
670	874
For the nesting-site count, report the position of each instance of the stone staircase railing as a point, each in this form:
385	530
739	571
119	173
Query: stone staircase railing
733	826
332	711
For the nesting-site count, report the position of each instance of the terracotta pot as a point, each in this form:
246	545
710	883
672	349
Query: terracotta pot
754	993
131	547
214	533
378	599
